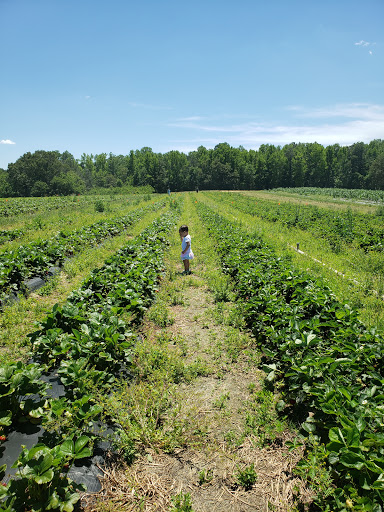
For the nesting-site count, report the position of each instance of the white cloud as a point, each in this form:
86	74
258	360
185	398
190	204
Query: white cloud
346	110
7	141
191	118
342	124
365	44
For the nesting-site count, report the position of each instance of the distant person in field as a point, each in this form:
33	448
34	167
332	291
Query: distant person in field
186	249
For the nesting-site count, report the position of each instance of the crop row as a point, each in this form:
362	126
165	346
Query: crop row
14	206
337	228
29	205
328	364
376	196
35	258
88	345
45	219
10	234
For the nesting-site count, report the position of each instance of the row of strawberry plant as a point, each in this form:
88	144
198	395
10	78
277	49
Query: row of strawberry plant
89	346
15	206
10	207
10	234
34	223
376	196
329	365
336	227
35	258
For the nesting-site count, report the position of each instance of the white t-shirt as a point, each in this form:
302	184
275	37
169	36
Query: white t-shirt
184	242
188	255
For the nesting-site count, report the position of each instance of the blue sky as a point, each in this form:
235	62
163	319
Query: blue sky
92	76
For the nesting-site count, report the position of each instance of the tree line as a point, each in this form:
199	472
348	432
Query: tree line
359	166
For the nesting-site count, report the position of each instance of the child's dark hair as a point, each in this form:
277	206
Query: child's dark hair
183	228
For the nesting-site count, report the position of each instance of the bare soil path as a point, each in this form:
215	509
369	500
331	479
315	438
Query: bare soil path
230	452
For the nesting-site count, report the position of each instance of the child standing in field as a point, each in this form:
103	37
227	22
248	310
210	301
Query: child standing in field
186	249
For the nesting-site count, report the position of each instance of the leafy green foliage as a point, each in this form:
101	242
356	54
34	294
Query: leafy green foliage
42	483
205	476
181	503
246	477
328	365
35	258
90	347
72	417
10	234
17	383
99	206
336	227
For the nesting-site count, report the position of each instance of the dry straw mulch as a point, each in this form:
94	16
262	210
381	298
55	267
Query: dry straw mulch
151	482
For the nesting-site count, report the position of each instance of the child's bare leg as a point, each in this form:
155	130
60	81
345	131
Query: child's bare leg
186	265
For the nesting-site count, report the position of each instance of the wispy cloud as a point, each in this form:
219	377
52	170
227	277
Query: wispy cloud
342	110
365	44
342	124
7	141
191	118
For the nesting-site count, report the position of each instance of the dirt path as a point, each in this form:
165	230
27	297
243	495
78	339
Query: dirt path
219	404
209	472
229	452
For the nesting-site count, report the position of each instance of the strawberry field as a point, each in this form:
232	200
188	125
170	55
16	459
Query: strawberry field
259	377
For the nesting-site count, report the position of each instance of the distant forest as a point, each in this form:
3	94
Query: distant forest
43	173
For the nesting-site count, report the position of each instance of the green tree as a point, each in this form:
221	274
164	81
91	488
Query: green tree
316	172
68	183
277	164
249	176
200	161
344	176
375	178
176	169
5	187
358	167
101	170
87	170
333	164
221	166
39	168
40	189
262	178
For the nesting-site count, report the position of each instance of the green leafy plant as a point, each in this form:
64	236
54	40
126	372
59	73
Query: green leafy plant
42	483
205	476
313	469
90	348
327	363
181	503
222	289
36	257
160	315
99	206
220	403
246	477
67	418
262	419
17	383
